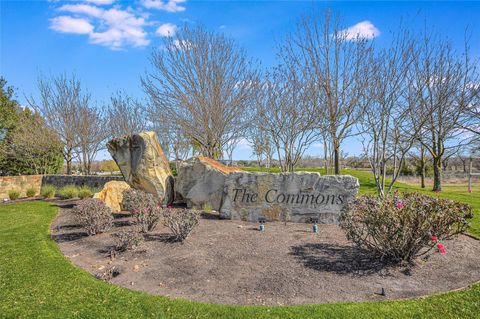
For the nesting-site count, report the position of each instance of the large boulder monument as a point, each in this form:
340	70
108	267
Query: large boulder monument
204	183
296	197
143	164
201	180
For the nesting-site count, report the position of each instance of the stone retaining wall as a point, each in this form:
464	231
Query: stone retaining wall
95	182
21	183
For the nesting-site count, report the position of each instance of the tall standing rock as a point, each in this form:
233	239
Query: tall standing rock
143	164
201	180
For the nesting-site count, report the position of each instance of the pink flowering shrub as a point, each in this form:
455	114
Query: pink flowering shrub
145	207
403	226
180	221
93	215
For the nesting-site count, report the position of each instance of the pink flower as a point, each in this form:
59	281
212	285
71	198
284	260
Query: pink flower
437	191
400	205
434	238
441	248
170	206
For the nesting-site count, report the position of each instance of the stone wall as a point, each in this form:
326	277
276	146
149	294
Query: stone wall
95	182
20	183
23	182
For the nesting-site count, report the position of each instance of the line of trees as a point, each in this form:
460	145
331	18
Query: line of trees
416	96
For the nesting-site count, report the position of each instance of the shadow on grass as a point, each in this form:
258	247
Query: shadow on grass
339	259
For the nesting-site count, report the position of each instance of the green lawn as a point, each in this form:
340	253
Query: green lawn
37	281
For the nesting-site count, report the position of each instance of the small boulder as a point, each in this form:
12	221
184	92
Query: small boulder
143	164
201	180
112	194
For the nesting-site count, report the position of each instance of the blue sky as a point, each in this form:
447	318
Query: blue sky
107	43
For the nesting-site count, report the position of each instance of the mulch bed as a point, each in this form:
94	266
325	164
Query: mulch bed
231	262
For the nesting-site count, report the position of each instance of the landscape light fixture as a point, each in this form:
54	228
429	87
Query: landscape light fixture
262	221
315	226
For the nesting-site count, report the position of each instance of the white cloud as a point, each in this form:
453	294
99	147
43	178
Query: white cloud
82	9
361	30
67	24
115	28
166	30
167	5
223	27
100	2
110	24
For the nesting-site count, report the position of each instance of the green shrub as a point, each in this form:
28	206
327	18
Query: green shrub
84	192
31	191
180	222
14	194
93	215
69	191
48	191
145	207
403	225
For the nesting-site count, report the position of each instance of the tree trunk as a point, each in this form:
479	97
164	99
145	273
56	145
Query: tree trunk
422	167
325	155
336	156
437	174
69	162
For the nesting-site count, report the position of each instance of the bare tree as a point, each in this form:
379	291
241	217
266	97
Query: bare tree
230	147
203	82
262	146
60	99
421	158
443	79
125	115
335	62
286	115
175	144
388	133
91	134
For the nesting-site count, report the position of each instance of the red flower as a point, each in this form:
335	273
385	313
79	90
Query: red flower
434	238
441	248
400	205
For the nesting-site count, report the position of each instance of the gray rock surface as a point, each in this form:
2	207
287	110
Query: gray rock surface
295	197
200	182
143	164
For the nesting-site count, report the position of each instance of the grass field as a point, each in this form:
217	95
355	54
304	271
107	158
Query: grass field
36	280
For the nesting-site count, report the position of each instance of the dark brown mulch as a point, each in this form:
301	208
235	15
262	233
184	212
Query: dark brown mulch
231	262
